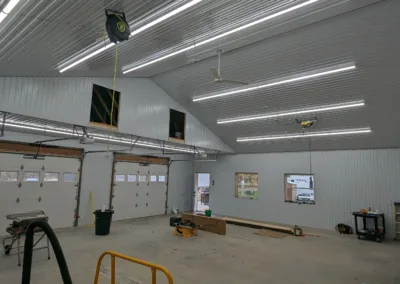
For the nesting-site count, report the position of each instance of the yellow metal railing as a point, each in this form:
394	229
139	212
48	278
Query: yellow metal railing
113	255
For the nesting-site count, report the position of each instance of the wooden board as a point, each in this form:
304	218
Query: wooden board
25	148
258	225
208	224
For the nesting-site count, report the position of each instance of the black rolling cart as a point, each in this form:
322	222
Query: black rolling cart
377	232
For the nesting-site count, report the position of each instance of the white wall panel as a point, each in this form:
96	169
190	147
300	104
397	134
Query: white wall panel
345	181
144	107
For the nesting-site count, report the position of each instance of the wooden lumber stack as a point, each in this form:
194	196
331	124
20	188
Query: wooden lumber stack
208	224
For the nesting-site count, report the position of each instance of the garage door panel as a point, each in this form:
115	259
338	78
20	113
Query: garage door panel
140	194
40	186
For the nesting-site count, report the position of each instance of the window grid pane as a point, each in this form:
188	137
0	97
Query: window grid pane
132	178
153	178
50	177
69	177
142	178
8	176
246	185
161	178
119	178
31	176
299	188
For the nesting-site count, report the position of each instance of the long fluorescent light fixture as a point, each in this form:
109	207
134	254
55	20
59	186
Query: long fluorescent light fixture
127	68
347	105
306	135
107	44
101	138
7	9
286	80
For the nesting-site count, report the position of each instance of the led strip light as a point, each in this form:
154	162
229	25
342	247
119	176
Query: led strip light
7	9
306	135
106	45
286	80
132	67
348	105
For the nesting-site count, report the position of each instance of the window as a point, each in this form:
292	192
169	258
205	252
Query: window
50	177
161	178
142	178
246	185
153	178
8	176
119	178
102	106
31	176
299	188
203	180
69	177
177	122
132	178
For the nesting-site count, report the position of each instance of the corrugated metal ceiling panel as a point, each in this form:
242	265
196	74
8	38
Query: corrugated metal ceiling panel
40	34
367	37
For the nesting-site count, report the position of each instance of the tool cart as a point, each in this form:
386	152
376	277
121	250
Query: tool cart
377	232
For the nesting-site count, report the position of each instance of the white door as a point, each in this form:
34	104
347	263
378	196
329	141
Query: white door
32	184
139	191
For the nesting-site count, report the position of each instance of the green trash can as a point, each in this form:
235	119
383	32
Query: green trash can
103	222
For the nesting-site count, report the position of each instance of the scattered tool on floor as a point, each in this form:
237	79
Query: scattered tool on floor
185	228
344	229
18	229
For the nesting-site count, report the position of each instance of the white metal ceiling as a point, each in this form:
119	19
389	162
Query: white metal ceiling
368	37
39	34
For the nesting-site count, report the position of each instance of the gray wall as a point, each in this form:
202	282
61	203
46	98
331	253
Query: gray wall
144	107
96	174
345	181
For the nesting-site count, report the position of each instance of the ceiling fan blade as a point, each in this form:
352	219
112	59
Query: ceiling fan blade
215	73
235	82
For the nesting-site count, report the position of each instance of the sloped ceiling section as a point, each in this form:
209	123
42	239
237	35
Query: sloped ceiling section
40	35
367	37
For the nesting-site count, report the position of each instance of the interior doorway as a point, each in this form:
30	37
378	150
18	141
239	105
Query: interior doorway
201	192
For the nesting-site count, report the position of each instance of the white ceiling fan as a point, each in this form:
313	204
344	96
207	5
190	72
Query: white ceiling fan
216	72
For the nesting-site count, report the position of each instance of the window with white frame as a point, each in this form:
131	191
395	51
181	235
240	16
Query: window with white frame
142	178
161	178
119	178
299	188
31	176
8	176
153	178
50	177
132	178
246	185
69	177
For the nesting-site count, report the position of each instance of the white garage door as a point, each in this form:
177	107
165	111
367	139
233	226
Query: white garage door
32	184
138	190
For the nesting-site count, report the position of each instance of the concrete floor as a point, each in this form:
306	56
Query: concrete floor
238	257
